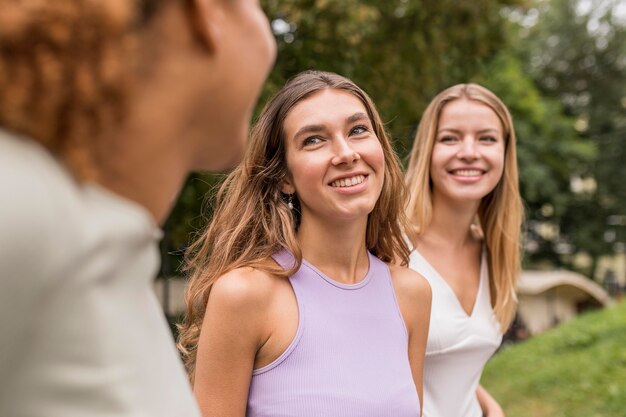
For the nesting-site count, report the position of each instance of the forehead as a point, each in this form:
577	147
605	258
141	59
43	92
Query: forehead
327	107
469	114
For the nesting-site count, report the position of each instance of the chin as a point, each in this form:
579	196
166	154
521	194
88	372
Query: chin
474	198
356	213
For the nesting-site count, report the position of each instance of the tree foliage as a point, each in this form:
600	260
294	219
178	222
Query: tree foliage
560	79
576	54
549	151
402	52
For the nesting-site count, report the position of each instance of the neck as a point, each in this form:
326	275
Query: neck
143	163
148	177
451	223
338	250
148	158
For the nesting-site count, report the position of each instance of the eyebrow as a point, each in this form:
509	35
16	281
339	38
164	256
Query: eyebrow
357	116
308	129
458	131
318	128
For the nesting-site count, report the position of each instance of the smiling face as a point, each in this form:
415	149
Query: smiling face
467	160
335	160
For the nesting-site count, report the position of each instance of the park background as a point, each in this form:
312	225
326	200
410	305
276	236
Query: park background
560	67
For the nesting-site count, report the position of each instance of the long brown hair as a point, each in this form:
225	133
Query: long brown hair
252	220
66	70
500	213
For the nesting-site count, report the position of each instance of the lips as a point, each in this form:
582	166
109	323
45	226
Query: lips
348	181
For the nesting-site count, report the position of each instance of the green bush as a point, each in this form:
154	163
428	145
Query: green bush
577	369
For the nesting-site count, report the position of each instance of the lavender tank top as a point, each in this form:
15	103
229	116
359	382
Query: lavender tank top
349	357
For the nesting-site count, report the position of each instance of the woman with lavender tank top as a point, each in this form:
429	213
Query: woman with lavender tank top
294	308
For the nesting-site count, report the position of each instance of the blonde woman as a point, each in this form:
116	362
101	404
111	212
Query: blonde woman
105	108
293	308
466	213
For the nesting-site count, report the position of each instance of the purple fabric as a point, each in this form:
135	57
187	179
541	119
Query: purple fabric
349	357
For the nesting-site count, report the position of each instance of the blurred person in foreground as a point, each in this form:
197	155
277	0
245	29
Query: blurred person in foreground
105	107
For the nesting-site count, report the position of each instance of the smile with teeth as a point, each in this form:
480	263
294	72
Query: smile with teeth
348	182
467	172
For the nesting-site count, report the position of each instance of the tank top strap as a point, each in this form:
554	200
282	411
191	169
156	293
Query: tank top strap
284	258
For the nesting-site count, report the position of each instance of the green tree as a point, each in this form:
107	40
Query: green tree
402	52
549	151
576	53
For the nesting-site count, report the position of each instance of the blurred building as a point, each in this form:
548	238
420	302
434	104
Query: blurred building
547	298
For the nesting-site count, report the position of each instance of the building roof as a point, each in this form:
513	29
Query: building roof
579	286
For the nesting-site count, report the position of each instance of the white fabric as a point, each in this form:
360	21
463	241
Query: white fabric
82	333
458	345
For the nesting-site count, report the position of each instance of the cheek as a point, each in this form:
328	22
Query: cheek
439	157
437	160
374	156
498	159
292	170
304	173
265	41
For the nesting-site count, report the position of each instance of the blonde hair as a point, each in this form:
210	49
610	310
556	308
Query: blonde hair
500	213
252	220
66	71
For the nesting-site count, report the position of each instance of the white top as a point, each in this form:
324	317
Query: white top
458	345
82	333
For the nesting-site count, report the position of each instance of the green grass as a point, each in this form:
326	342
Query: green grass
577	369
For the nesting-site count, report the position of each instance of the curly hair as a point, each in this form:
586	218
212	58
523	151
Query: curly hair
66	71
252	220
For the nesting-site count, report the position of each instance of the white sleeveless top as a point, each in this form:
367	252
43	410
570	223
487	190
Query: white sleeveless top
458	345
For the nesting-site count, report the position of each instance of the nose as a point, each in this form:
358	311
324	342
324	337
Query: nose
468	149
344	153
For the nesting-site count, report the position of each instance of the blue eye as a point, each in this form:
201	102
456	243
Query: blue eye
359	130
311	140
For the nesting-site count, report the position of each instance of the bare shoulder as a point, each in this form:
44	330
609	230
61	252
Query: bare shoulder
241	299
243	289
249	307
410	284
414	298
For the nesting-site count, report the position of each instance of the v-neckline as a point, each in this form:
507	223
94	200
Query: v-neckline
449	288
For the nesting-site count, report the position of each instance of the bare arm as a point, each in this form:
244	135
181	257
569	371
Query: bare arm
414	297
230	337
488	404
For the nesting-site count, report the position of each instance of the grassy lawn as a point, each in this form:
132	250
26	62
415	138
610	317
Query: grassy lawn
578	369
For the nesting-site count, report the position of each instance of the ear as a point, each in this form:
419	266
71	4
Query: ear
287	187
207	17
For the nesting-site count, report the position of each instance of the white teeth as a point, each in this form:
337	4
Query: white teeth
348	182
467	172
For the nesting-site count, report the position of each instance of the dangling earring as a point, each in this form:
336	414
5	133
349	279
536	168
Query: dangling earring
290	201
